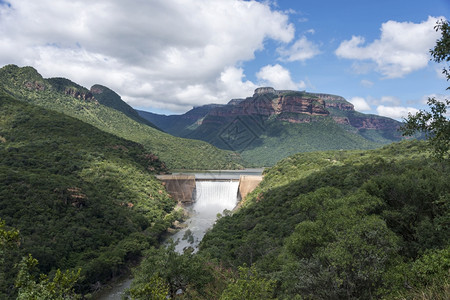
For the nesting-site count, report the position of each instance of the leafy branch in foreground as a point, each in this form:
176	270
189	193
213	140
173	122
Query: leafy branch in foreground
60	287
435	124
441	52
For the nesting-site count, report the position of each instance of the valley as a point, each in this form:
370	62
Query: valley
85	186
271	125
224	150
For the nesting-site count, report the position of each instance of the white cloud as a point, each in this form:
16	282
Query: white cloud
301	50
390	100
148	51
232	81
279	78
402	48
438	97
366	83
360	104
395	112
440	73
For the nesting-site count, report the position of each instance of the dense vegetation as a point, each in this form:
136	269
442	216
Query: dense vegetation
282	139
111	99
325	225
264	140
69	98
78	196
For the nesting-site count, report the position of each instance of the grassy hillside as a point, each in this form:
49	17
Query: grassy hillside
79	196
111	99
268	127
345	224
282	139
368	224
69	98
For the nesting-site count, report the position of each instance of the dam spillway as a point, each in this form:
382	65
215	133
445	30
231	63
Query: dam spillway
204	196
180	187
183	187
211	198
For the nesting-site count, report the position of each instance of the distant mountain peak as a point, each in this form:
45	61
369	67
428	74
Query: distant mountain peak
273	124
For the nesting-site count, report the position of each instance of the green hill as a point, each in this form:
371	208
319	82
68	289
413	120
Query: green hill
272	125
79	196
344	225
111	99
356	224
62	95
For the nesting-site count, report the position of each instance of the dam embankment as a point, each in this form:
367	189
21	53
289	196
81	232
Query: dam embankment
182	187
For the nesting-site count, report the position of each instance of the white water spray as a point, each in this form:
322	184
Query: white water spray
212	197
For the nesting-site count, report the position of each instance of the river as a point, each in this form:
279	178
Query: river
216	191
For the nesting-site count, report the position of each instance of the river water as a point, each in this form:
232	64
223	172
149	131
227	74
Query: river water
212	198
216	191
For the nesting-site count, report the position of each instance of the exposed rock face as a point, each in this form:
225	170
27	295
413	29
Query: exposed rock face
87	96
342	120
267	102
264	90
69	88
35	85
373	122
278	105
235	101
344	106
300	105
97	89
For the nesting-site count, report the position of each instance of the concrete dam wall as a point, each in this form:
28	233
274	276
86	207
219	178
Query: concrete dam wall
180	187
183	187
247	183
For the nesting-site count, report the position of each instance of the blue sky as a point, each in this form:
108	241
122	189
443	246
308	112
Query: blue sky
167	56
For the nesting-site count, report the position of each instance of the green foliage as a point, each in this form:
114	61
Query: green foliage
64	96
61	287
341	224
425	278
111	99
263	136
8	239
155	289
282	139
441	52
248	286
172	271
266	141
80	197
9	242
435	124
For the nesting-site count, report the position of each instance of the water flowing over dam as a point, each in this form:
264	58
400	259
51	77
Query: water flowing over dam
203	195
211	198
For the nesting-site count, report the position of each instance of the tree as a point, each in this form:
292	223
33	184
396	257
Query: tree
435	124
249	285
441	52
9	242
61	287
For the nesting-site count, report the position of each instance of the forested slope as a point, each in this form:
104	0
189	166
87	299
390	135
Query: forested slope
67	97
80	197
345	225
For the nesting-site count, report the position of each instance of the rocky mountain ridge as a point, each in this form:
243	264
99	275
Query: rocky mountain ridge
284	105
273	124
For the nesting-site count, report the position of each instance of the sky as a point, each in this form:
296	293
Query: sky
167	56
